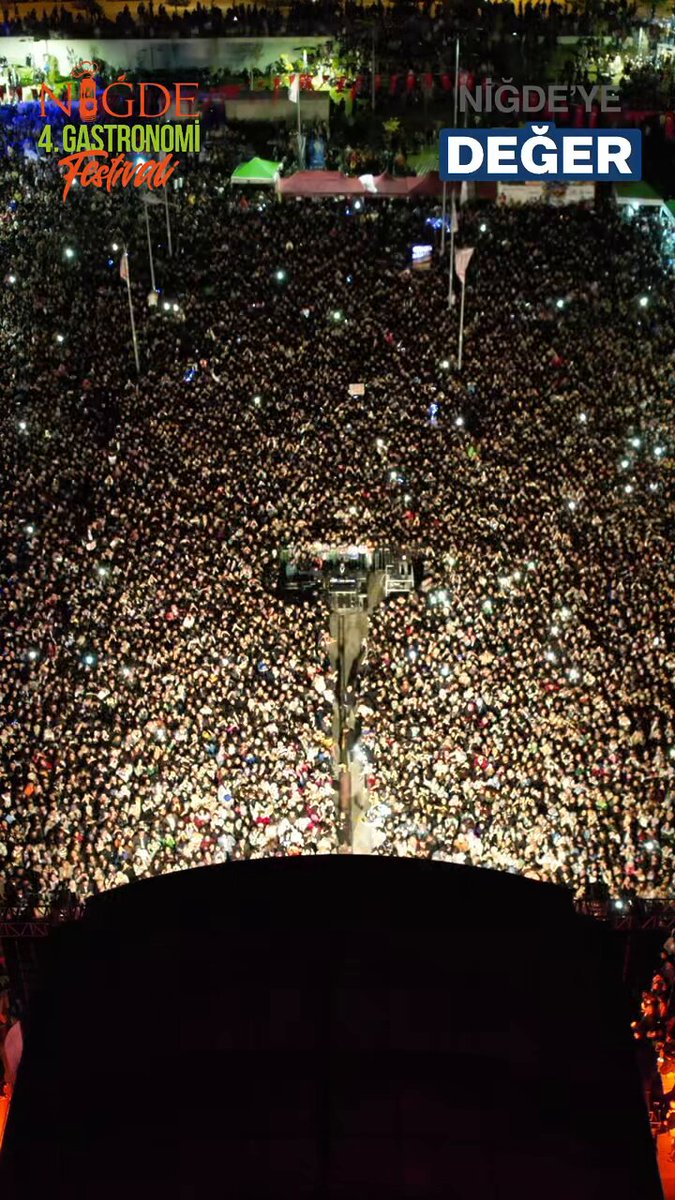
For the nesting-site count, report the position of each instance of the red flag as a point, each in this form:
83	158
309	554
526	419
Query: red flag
124	267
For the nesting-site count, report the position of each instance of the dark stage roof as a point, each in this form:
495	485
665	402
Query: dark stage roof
330	1027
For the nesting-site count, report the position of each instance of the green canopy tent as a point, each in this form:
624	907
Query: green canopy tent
638	194
258	172
424	163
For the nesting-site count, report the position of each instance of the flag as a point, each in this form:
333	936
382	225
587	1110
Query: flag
294	90
369	184
464	192
124	267
462	259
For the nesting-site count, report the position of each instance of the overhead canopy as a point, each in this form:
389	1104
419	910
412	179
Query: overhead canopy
427	161
410	185
258	171
320	183
333	183
636	193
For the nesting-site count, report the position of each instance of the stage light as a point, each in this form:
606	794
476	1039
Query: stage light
644	301
625	462
280	276
115	247
30	530
583	418
628	488
23	427
89	659
257	401
635	443
337	315
459	421
103	571
166	306
659	451
444	364
571	504
33	654
560	303
69	252
11	278
175	308
483	228
59	338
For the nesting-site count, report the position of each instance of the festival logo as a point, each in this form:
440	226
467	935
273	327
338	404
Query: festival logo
117	121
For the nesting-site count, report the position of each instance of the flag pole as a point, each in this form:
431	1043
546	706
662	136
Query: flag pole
461	326
451	289
301	148
451	294
372	72
168	219
443	220
131	314
152	265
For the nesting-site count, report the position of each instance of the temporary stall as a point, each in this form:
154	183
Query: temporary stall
258	172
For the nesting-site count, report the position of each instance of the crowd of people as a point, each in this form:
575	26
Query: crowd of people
654	1033
424	22
160	706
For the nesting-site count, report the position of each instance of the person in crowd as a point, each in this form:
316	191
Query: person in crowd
160	707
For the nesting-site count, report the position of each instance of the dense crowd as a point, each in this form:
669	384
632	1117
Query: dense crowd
654	1032
160	707
425	22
